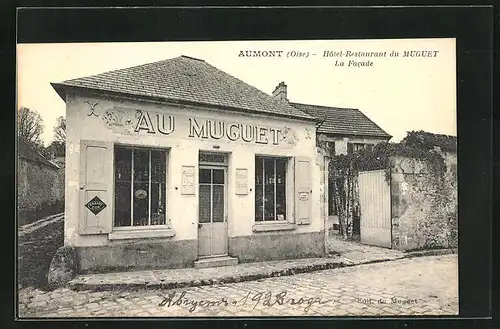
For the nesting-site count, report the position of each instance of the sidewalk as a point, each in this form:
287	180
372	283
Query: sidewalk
31	227
351	254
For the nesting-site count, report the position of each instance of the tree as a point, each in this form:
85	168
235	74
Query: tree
60	130
54	150
343	173
29	127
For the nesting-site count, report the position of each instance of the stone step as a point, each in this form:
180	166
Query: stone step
216	262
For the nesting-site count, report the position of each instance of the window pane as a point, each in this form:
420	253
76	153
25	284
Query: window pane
280	202
358	146
258	204
258	171
349	148
280	189
269	202
259	201
269	189
205	176
269	171
218	204
218	176
141	206
204	206
141	165
212	157
280	171
123	162
158	204
158	165
122	203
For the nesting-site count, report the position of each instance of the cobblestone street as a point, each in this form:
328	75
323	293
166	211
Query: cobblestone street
416	286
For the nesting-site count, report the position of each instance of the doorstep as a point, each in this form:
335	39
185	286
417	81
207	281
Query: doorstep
216	262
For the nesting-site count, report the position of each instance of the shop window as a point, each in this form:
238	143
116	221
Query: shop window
140	186
270	189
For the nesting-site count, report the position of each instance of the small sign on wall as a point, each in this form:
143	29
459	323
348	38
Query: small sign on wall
241	181
188	180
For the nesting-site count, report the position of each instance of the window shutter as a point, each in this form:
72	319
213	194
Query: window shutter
303	190
96	187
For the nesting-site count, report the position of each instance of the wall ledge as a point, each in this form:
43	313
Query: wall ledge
267	227
140	234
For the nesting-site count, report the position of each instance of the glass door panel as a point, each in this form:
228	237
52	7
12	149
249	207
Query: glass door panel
205	207
218	203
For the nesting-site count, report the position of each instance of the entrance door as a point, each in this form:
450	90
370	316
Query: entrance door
375	204
212	219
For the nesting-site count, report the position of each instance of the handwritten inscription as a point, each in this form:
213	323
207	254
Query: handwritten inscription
251	299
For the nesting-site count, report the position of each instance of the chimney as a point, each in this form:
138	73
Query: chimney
280	92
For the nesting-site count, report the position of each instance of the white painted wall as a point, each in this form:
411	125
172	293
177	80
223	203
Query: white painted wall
182	209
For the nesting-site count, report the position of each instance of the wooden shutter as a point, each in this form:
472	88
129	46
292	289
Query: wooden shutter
303	190
96	183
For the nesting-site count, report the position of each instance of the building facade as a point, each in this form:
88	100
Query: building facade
178	164
339	131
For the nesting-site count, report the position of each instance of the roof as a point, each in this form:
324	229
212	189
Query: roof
187	80
27	152
343	121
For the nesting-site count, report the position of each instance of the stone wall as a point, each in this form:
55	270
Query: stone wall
424	207
40	190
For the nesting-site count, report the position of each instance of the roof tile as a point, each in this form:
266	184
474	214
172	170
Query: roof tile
187	79
342	121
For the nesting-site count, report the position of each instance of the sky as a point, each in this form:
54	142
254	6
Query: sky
399	94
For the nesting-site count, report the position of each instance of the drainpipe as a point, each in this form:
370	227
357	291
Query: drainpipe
325	153
326	162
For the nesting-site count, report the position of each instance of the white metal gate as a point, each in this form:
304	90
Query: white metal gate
375	206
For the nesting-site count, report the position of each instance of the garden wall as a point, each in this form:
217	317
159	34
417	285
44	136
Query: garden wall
40	190
424	204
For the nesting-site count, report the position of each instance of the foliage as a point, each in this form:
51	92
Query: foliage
55	150
379	157
29	127
344	168
425	140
